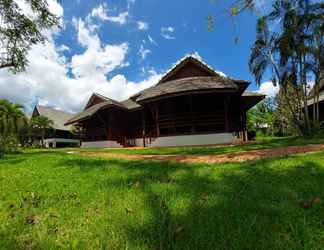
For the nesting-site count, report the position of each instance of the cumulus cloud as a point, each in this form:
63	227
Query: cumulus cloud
52	79
168	32
101	11
268	89
97	58
142	25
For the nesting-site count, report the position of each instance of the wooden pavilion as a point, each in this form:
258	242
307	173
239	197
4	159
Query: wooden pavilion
59	135
191	105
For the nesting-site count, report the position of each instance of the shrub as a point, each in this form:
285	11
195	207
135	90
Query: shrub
251	135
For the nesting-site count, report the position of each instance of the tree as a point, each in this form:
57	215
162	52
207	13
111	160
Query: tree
40	125
12	119
286	50
261	117
19	31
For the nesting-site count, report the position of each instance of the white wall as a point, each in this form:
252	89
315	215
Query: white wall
53	141
101	144
193	140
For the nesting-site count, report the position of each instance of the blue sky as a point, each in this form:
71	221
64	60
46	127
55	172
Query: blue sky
119	47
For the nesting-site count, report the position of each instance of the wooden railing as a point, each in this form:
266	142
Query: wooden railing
191	119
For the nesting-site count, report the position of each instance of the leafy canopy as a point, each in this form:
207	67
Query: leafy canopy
20	30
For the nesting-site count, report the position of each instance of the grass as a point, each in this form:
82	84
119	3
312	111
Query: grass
52	200
264	143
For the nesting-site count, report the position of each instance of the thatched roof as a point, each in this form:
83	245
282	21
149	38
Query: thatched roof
57	116
189	84
250	99
126	105
173	83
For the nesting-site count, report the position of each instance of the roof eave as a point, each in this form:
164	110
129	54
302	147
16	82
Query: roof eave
188	92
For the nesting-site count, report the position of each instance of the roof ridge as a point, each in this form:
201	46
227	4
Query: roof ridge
194	57
53	109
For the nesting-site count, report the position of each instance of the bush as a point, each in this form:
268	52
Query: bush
8	145
251	135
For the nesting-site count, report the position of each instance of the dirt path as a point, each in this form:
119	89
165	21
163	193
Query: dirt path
220	158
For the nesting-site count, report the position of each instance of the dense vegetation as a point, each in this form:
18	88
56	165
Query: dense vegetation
290	46
17	130
52	200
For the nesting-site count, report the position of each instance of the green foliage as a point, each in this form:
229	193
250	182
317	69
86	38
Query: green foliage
286	51
52	200
12	119
40	125
19	31
261	117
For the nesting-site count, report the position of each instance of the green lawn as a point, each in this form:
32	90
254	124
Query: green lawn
263	143
52	200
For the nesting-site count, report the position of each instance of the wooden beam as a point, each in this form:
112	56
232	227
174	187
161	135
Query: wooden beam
193	127
157	120
226	104
143	126
104	123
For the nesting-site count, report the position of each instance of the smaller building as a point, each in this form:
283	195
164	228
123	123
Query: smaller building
311	102
60	135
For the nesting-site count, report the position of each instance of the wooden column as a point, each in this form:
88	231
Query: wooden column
143	125
157	120
226	104
104	123
193	127
244	126
109	127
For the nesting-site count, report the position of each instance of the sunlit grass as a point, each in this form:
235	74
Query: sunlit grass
54	200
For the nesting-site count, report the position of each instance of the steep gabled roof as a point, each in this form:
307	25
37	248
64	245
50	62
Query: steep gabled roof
189	59
98	98
108	103
199	77
57	116
189	84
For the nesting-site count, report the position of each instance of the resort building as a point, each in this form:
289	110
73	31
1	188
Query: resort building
192	104
312	100
59	135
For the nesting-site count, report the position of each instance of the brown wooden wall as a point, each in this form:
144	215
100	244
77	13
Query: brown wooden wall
187	114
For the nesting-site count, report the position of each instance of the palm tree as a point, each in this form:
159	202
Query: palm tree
12	119
285	50
41	124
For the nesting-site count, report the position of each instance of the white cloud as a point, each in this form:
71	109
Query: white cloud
268	89
151	40
54	80
143	52
63	48
142	25
97	57
168	32
101	11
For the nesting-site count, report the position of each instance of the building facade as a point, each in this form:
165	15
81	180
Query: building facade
191	105
59	135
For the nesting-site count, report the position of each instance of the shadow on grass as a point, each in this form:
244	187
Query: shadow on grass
254	205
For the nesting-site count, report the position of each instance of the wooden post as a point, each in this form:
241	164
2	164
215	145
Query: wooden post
191	115
157	120
244	126
104	123
226	103
143	125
